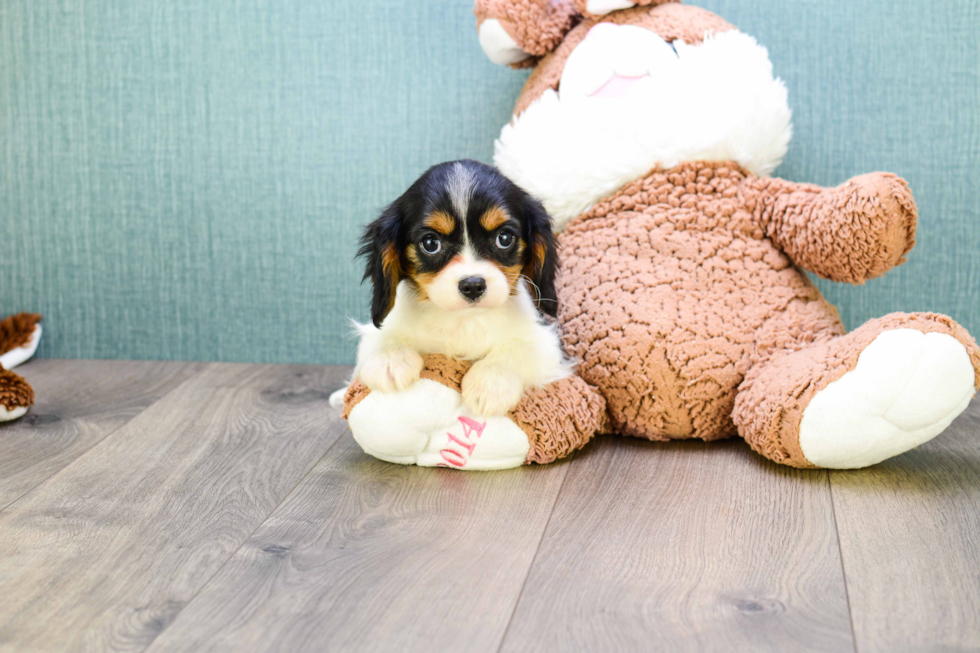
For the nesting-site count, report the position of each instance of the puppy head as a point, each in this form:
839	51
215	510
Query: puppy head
465	237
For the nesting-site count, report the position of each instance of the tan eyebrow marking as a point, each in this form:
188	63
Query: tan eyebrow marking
441	222
493	218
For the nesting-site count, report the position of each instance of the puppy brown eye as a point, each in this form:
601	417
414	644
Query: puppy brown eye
505	240
430	245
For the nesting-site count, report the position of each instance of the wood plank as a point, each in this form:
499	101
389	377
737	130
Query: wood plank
106	553
910	541
369	556
79	402
685	546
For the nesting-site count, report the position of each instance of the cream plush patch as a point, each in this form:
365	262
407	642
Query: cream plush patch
600	7
7	415
906	388
717	101
498	45
427	425
18	355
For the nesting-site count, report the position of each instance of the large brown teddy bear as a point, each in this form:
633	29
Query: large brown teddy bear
649	132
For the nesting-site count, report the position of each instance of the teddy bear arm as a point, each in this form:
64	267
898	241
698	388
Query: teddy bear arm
852	233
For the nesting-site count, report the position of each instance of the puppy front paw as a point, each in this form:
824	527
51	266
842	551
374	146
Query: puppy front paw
391	370
489	390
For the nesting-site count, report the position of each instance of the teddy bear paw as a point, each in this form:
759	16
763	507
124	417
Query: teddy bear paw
429	425
10	414
498	45
16	395
906	388
11	359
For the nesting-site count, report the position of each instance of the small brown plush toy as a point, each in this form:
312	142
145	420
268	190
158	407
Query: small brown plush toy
19	337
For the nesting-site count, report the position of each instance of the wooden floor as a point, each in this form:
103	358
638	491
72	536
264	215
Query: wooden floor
213	507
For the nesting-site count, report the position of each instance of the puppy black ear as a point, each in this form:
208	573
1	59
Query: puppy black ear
379	245
541	259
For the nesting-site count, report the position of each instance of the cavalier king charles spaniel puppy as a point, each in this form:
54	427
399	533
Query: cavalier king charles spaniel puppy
463	264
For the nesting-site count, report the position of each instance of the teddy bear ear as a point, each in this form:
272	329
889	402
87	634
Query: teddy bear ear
515	32
593	8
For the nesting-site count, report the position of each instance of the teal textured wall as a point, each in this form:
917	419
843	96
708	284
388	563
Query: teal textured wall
187	179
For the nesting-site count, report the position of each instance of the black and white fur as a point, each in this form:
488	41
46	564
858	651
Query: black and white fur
464	290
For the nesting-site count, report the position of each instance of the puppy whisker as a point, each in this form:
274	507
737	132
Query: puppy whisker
537	291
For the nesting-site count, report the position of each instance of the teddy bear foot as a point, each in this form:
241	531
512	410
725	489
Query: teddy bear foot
857	400
907	387
428	425
7	415
19	338
16	396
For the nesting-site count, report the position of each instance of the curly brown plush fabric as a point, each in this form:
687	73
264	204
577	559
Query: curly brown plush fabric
447	371
16	330
560	418
852	233
356	391
557	419
771	401
673	289
537	26
682	293
671	21
15	392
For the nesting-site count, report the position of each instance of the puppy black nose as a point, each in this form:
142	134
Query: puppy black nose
472	288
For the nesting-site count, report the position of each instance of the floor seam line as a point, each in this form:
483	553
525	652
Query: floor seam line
244	542
104	438
537	550
840	554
